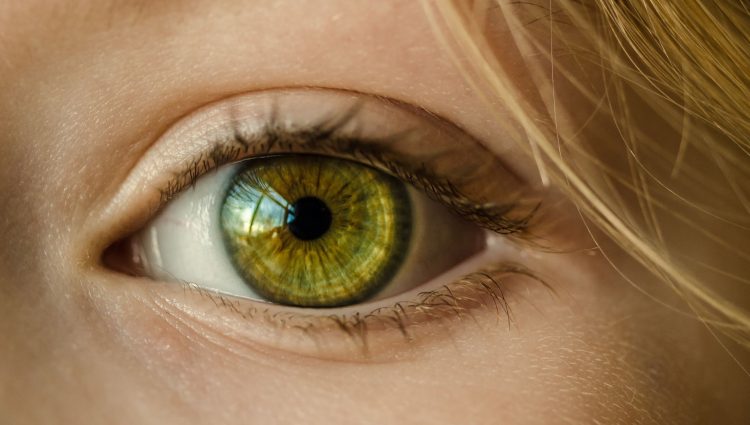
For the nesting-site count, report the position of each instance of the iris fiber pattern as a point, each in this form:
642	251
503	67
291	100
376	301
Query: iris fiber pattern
315	231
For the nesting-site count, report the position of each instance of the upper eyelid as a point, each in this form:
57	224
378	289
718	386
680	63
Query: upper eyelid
416	110
196	133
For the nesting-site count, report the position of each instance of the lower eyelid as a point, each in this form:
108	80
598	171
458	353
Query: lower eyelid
481	299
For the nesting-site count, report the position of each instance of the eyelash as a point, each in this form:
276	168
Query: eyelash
459	299
325	138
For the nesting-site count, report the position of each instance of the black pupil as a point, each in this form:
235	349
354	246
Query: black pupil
309	218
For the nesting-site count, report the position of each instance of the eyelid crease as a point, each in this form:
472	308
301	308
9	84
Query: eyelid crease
325	138
458	300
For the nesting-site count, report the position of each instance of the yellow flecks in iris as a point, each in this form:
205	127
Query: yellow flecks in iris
361	251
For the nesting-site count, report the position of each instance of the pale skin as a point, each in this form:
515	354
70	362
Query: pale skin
88	86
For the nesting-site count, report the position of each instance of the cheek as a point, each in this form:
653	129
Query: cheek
598	349
557	360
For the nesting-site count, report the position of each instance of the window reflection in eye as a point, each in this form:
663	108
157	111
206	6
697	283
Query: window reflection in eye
313	231
294	203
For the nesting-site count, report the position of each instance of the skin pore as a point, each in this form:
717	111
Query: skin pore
89	86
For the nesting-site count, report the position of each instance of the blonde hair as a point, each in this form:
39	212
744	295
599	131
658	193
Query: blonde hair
680	66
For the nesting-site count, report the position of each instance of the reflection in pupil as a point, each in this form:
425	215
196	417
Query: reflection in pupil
309	218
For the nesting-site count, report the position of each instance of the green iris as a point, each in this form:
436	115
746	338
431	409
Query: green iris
315	231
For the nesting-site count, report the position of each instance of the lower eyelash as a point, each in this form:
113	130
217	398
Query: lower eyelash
480	290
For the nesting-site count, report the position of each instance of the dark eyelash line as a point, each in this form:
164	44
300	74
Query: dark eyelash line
325	138
459	299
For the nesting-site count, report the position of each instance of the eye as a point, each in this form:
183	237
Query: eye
305	230
319	199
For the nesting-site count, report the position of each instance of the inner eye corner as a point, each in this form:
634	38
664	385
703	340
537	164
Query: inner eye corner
122	256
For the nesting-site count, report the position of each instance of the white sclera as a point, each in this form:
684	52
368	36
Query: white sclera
184	242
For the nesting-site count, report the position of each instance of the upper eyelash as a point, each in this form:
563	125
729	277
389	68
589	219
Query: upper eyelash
324	137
